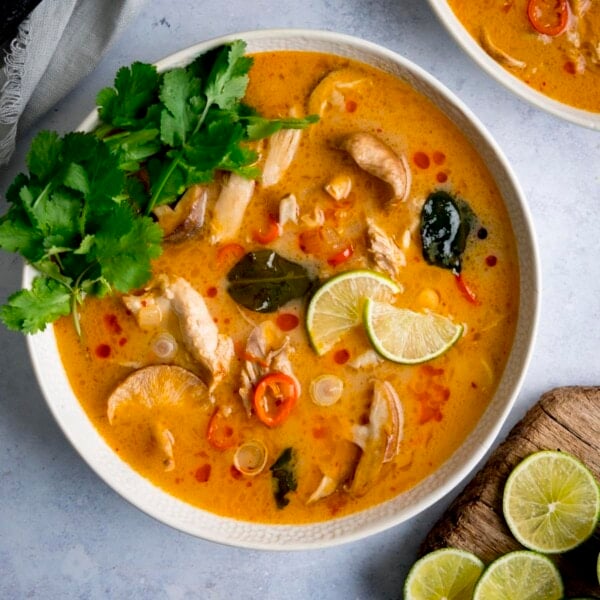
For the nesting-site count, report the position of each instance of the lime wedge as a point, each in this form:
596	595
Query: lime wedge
520	575
551	502
408	337
337	305
448	574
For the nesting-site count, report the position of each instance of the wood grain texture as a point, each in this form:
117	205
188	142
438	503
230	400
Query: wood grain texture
566	419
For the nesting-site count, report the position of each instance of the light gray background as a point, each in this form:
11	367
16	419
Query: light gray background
65	534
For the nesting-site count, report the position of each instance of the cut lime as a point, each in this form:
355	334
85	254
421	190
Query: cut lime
551	502
408	337
337	305
598	568
520	575
448	574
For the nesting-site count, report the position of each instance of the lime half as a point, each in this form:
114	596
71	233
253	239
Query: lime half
408	337
337	305
446	574
551	502
520	575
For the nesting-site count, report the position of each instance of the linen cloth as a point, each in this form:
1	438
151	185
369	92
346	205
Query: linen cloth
59	43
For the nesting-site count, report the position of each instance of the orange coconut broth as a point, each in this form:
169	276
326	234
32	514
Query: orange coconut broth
442	399
563	63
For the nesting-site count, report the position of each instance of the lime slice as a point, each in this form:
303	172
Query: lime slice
598	568
337	305
520	575
408	337
448	574
551	502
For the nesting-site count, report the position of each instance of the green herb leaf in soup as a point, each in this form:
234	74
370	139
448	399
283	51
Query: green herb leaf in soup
445	226
284	477
263	281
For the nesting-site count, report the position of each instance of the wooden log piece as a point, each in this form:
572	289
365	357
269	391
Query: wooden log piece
566	419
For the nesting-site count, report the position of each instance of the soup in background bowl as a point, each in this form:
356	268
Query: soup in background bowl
546	52
268	430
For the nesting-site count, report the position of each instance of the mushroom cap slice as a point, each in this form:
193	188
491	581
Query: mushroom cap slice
380	439
155	387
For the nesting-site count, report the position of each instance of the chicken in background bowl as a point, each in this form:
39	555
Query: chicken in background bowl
546	51
248	399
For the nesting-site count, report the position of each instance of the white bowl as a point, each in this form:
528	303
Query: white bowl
464	39
152	500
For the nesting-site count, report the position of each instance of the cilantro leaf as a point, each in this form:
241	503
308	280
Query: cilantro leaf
124	248
44	154
126	105
179	87
228	78
17	235
30	311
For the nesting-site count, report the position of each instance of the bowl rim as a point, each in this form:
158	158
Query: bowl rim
42	346
465	40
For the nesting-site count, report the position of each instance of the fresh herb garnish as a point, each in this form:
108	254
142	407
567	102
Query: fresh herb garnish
263	281
81	216
193	119
445	226
70	219
284	477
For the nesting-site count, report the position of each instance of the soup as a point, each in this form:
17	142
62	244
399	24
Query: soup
214	383
554	47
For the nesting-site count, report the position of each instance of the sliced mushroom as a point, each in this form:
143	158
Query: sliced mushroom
326	487
388	256
187	218
376	158
147	392
380	439
498	54
230	208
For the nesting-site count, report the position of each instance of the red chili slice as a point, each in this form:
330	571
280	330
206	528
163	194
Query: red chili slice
274	397
549	17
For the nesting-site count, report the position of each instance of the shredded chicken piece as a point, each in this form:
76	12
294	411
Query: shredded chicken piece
187	218
498	54
148	309
376	158
265	353
211	350
369	358
316	219
201	337
281	150
329	92
388	256
230	208
288	210
339	187
380	439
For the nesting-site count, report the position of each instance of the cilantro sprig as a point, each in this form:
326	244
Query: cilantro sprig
186	123
82	214
71	219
